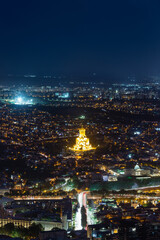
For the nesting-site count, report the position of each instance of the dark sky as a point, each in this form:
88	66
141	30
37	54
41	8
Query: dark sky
113	38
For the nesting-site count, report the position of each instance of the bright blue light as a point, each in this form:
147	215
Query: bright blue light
19	100
23	101
137	133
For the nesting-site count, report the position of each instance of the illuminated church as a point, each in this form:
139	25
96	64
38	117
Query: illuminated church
82	142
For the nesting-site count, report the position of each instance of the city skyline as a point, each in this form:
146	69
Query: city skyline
79	120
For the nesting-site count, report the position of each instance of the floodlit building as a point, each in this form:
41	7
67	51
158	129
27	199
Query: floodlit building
47	225
82	142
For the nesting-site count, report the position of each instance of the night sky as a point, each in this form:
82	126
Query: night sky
112	38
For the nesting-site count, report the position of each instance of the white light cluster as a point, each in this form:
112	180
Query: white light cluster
22	101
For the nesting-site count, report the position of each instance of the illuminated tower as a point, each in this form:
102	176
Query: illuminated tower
82	142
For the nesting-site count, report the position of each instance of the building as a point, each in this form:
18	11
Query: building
57	234
47	225
82	142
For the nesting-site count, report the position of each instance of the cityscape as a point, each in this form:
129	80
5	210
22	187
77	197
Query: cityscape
80	162
80	120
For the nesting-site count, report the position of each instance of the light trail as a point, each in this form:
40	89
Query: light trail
78	219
